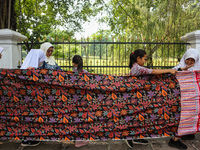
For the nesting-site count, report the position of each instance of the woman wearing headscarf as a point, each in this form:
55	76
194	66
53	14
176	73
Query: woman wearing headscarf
189	61
34	59
49	63
1	50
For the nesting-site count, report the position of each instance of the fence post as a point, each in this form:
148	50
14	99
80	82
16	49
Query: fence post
11	56
193	38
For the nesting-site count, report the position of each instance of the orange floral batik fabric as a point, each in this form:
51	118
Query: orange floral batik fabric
57	105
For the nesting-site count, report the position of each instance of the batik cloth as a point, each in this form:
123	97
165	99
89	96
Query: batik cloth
57	105
189	88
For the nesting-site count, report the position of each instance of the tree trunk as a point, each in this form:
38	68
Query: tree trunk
6	14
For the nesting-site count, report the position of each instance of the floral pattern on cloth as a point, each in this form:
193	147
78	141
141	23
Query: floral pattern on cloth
137	70
42	104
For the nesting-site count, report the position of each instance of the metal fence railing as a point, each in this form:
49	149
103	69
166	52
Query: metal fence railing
112	57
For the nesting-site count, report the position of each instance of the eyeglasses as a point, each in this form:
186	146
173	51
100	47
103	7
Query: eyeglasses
49	51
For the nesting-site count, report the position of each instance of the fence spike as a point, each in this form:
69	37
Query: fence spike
63	38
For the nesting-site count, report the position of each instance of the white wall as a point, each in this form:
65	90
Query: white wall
193	38
11	56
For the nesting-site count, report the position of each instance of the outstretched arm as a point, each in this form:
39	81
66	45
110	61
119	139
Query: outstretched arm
163	71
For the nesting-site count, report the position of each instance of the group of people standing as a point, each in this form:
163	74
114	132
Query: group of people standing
42	58
189	62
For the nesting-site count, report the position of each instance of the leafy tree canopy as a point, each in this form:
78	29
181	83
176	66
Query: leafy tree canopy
153	20
37	18
148	19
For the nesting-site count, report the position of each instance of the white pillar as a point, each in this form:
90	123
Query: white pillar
11	56
193	38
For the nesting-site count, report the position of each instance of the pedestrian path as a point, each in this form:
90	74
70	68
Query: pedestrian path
154	144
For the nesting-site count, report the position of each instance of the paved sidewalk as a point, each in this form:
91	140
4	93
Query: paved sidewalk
154	144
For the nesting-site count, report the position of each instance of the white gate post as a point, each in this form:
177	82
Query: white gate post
193	38
11	56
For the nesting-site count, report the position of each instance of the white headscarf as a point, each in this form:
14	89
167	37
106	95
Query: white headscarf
190	53
45	46
1	49
34	57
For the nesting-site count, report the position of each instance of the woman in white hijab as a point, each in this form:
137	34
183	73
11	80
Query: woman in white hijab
49	63
189	61
1	50
34	59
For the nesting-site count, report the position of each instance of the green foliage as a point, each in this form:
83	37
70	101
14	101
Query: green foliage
38	18
97	49
58	54
148	20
